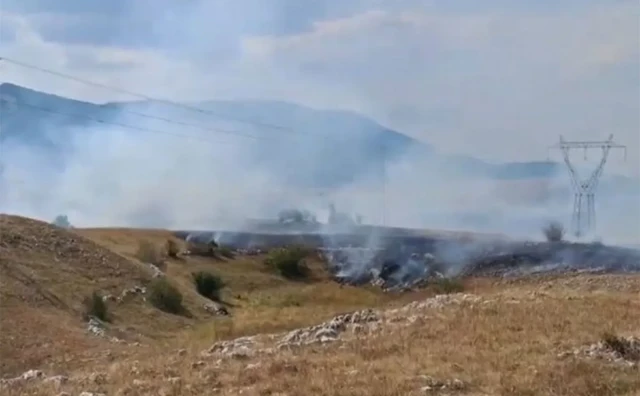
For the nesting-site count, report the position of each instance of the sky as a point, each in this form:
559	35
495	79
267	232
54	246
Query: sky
498	80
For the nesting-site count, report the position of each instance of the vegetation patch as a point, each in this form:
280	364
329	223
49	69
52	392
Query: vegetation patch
165	296
172	248
94	306
208	285
289	262
148	253
448	286
554	232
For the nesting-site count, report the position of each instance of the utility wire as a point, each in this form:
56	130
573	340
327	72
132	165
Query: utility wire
140	95
122	125
171	103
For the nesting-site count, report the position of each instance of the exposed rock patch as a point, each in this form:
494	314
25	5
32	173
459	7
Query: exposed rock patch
96	327
32	376
621	350
330	330
238	349
215	309
354	324
433	385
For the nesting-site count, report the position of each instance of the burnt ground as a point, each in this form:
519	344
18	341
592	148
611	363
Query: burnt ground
402	258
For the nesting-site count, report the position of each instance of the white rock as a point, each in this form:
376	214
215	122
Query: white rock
57	379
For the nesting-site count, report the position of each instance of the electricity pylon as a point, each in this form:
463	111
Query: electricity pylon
583	219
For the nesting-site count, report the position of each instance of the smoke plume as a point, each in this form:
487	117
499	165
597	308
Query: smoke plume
106	175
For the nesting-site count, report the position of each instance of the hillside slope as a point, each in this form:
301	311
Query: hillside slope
536	335
47	272
569	336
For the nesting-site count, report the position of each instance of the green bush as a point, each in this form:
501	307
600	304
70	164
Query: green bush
164	296
554	232
148	253
202	249
289	262
207	284
622	346
449	286
172	248
225	251
94	306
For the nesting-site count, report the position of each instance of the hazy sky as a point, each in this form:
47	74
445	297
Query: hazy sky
497	79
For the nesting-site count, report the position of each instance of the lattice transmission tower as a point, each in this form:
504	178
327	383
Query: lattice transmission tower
583	219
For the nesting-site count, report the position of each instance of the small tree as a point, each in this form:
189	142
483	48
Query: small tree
225	251
148	253
172	248
94	306
622	346
554	232
62	221
289	262
208	285
290	216
164	296
206	249
449	286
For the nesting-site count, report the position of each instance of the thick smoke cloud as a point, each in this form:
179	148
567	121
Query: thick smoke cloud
113	176
132	178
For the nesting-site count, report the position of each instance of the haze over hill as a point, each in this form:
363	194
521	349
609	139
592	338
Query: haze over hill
357	145
284	155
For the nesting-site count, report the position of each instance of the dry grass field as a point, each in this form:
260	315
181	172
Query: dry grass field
498	337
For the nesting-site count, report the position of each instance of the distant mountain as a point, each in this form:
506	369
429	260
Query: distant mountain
328	148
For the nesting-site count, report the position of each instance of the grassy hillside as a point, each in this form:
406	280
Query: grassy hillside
46	273
498	337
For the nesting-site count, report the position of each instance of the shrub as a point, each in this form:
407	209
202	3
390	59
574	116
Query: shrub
289	262
449	286
207	284
94	306
621	345
149	254
62	221
225	251
202	249
172	248
164	296
554	232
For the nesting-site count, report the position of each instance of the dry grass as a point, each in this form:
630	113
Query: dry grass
46	274
508	345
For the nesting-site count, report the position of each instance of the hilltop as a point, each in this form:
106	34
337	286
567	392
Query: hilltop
535	335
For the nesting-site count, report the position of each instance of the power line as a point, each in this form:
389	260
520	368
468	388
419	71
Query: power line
168	120
177	122
122	125
140	95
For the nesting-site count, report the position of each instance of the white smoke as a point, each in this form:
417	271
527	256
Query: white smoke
113	176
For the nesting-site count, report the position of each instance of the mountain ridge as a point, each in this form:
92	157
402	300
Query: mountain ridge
363	141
